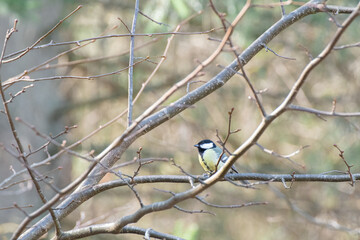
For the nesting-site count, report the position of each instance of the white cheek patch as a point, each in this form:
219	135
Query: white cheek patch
207	145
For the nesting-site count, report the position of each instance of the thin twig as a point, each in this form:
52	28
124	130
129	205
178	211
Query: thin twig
283	13
23	90
287	157
316	112
151	232
193	211
276	4
89	60
73	77
7	208
347	46
341	155
197	178
127	28
78	42
223	142
230	206
159	23
333	19
269	49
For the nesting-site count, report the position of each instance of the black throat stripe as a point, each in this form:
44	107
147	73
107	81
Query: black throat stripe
207	166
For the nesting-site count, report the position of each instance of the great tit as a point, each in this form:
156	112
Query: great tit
209	155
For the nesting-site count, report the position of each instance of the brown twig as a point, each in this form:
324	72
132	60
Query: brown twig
89	60
188	174
159	23
23	90
72	77
136	172
281	4
127	28
287	157
269	49
307	52
17	206
230	206
347	46
341	155
193	211
318	113
78	42
181	209
223	142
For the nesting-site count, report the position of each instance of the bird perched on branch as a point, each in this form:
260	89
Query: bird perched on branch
209	155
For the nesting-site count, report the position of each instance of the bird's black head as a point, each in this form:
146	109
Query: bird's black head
204	145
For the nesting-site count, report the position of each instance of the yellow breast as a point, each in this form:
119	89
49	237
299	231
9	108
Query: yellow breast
209	160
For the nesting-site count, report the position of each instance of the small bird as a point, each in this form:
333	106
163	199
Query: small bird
209	155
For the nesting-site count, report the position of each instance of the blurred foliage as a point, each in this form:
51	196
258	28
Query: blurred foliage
90	104
19	7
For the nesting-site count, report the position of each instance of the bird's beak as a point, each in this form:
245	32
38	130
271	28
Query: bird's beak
196	145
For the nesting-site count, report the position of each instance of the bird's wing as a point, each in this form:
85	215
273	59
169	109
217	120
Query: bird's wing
233	169
224	158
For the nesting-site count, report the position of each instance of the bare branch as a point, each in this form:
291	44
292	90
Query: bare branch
78	42
201	199
193	211
269	49
287	157
347	46
331	113
127	28
131	63
26	79
159	23
341	155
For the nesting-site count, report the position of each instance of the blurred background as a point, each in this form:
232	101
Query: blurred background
51	105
